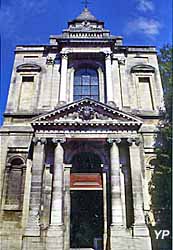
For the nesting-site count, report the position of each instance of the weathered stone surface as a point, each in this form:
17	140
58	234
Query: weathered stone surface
41	107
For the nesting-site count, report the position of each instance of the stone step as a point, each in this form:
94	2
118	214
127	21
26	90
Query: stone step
81	248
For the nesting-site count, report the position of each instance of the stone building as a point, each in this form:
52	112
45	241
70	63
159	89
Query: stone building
78	142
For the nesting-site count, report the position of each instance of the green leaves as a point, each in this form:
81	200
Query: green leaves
161	183
166	71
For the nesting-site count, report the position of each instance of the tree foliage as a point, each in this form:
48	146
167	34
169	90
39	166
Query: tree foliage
162	177
166	71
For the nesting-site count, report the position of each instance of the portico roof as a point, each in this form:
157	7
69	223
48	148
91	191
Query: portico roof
86	114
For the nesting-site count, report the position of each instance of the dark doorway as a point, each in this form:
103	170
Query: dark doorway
86	162
87	223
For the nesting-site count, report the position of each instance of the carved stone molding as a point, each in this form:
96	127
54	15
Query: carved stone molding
50	61
114	140
108	55
64	56
86	113
132	141
28	67
121	61
58	140
39	140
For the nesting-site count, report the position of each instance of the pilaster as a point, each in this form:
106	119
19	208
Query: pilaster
139	227
116	83
67	206
109	87
124	82
118	232
33	226
49	79
63	81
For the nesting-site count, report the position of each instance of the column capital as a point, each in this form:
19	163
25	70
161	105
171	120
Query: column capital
108	55
114	140
67	166
58	140
41	141
122	60
106	168
64	54
106	51
134	141
50	60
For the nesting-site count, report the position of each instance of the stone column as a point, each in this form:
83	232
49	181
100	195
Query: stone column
57	194
67	206
117	209
33	227
139	227
56	218
109	87
105	235
63	81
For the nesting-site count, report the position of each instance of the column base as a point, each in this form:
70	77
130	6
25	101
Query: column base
55	237
32	243
140	231
119	237
118	230
55	230
122	238
32	231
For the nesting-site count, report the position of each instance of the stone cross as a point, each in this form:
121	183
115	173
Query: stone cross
86	2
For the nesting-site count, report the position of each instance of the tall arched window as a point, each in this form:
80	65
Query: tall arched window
86	84
15	180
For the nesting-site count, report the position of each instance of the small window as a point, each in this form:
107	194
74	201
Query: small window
26	93
27	79
145	93
144	79
30	57
86	84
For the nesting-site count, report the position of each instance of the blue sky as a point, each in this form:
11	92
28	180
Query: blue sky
140	22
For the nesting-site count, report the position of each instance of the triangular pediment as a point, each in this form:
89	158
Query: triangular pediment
86	113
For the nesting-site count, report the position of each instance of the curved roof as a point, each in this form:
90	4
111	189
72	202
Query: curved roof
86	15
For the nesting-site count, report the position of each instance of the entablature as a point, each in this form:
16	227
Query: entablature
87	115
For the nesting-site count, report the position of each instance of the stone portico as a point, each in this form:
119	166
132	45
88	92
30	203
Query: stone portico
108	128
78	141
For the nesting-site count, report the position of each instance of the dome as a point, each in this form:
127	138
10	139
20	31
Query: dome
86	15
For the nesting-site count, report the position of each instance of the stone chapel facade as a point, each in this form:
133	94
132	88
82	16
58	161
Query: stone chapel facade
78	142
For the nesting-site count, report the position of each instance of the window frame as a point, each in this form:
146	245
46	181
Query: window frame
149	82
135	79
91	73
12	168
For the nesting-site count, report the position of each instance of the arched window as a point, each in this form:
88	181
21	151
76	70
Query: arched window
15	174
86	84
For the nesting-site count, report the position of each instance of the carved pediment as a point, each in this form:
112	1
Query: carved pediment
85	114
142	68
27	67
